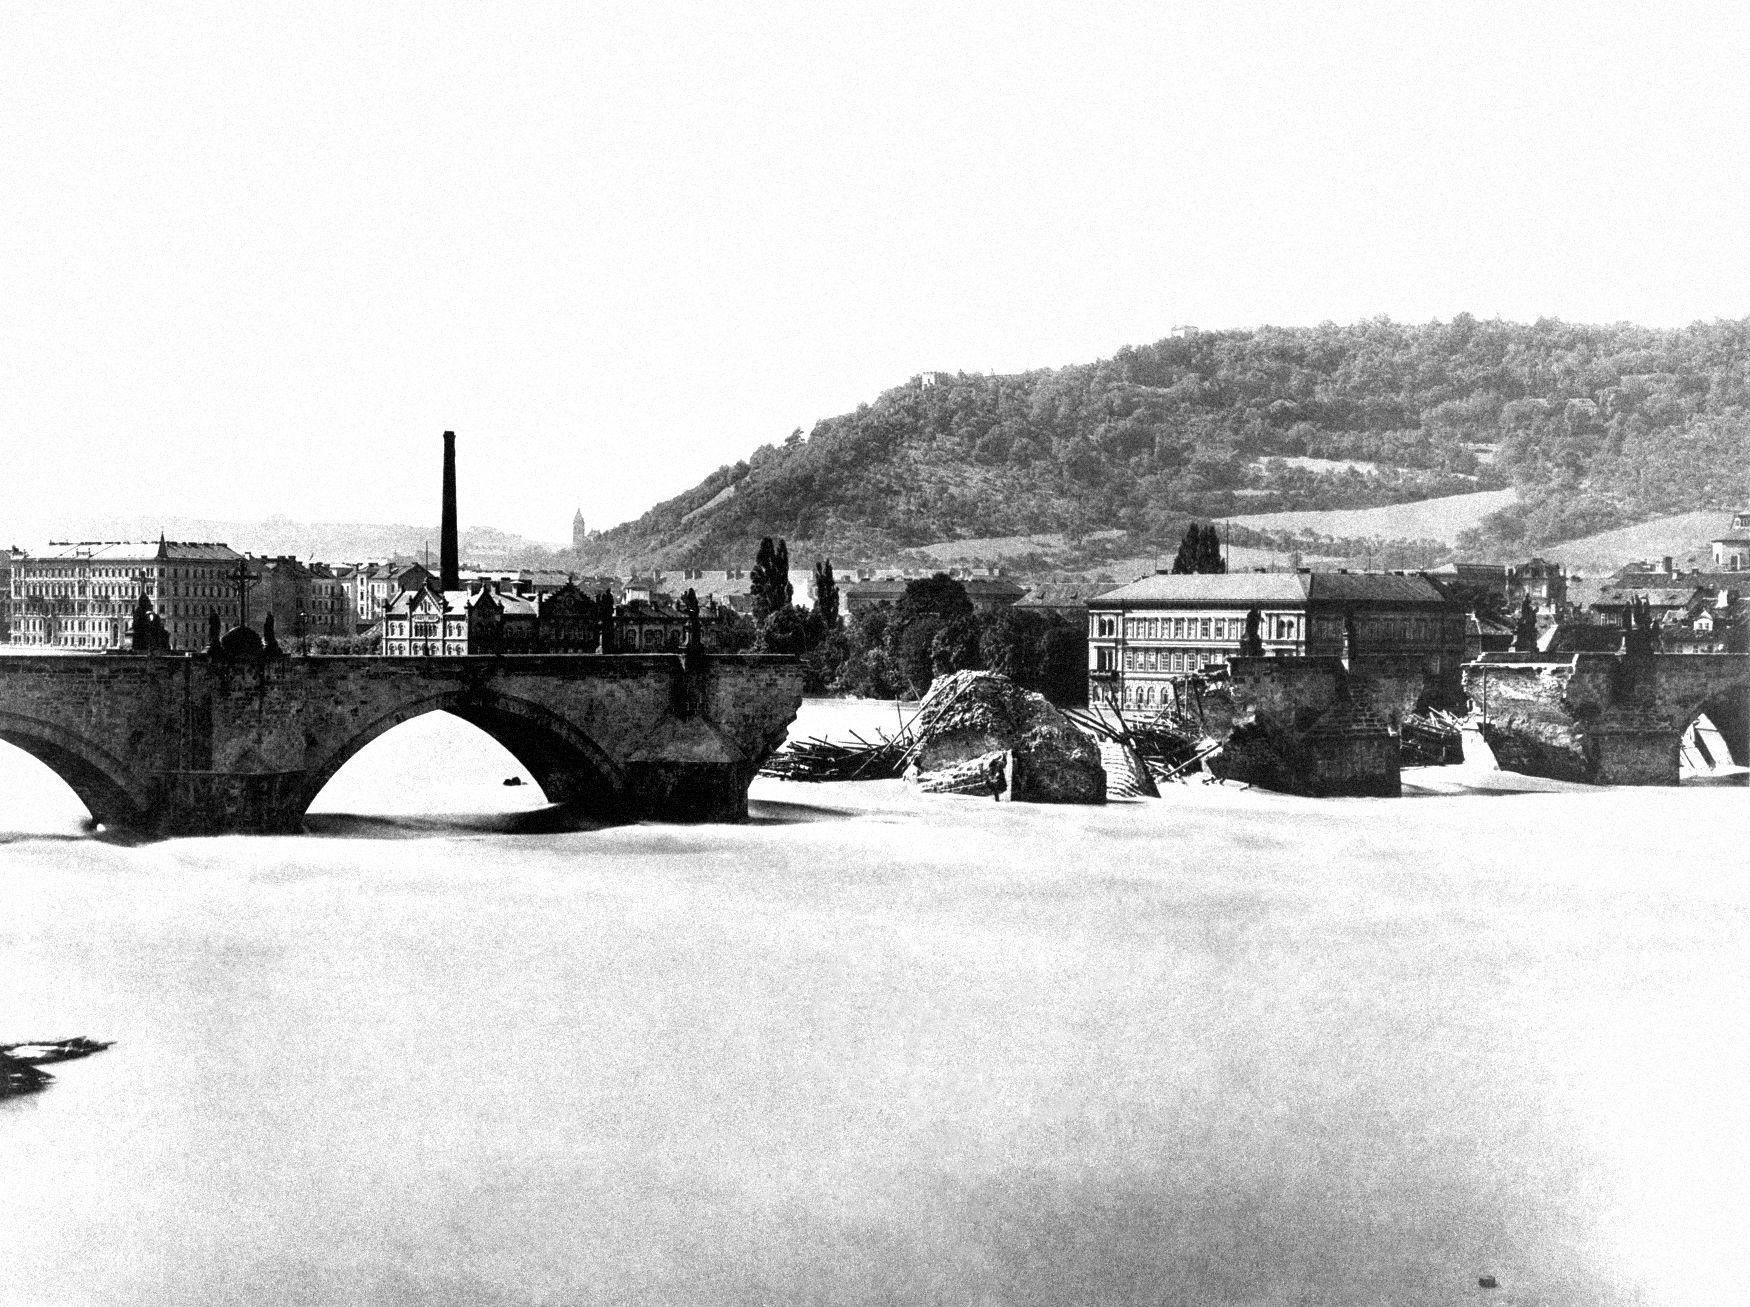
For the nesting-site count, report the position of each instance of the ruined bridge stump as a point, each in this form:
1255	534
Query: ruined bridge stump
184	744
1606	719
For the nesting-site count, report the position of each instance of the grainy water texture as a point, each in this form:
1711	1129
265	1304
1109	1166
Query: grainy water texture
876	1047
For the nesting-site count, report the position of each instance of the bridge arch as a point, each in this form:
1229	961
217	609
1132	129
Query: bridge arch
112	793
1728	707
569	766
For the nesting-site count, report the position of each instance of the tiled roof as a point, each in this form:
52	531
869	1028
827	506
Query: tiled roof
1235	588
1372	588
129	550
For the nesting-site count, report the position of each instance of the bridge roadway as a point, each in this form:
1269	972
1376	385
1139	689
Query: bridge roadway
187	744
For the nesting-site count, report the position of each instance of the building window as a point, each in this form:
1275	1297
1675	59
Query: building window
1204	629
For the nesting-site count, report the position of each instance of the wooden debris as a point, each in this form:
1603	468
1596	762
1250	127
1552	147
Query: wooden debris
1430	739
816	759
1166	745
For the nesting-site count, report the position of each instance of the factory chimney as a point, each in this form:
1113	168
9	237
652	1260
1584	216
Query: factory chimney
449	563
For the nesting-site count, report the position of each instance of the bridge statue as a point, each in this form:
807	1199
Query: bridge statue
182	744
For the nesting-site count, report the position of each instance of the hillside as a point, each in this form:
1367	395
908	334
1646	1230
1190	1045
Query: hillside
1444	519
1594	427
1683	538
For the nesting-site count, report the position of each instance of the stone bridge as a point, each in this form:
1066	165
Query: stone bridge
1613	719
191	744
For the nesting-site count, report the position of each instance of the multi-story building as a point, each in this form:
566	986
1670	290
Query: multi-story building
82	596
426	623
281	586
1143	634
330	612
371	586
1545	584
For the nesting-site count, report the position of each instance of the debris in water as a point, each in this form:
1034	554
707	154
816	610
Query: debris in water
21	1064
1487	1282
827	760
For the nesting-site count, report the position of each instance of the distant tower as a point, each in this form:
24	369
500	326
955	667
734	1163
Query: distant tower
449	562
577	532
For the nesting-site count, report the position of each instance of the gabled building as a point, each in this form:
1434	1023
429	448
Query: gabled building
426	623
503	623
571	621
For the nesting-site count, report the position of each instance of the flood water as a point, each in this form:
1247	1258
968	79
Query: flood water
878	1047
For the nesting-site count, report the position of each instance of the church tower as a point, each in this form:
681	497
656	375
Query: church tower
577	532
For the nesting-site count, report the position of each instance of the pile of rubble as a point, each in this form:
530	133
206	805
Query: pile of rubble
973	726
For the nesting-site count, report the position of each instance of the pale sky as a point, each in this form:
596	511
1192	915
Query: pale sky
255	259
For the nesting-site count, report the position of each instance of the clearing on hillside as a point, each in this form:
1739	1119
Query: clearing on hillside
1425	519
1683	537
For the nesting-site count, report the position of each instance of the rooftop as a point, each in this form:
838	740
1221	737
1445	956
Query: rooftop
1211	588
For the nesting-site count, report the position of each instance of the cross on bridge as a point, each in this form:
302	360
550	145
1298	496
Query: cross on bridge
241	579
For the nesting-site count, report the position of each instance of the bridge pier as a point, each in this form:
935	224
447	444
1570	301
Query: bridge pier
226	803
1645	756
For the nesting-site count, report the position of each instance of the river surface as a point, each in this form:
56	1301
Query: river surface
879	1047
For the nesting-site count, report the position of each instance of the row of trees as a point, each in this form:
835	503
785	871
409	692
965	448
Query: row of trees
1199	551
933	630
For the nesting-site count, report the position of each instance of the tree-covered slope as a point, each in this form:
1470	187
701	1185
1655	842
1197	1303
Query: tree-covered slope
1594	425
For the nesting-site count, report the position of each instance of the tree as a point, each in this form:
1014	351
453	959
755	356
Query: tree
936	596
913	648
1185	561
1009	645
770	581
1209	557
1063	662
826	593
1199	551
956	648
790	630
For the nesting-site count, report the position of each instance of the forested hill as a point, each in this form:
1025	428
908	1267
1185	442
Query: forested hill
1596	426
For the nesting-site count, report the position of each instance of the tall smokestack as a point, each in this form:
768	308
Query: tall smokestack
449	561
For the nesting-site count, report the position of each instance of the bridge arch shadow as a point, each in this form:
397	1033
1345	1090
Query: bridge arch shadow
110	792
571	770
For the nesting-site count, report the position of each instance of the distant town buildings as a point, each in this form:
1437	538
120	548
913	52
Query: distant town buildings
863	589
82	595
488	620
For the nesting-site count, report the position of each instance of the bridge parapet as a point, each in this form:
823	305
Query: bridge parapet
182	744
